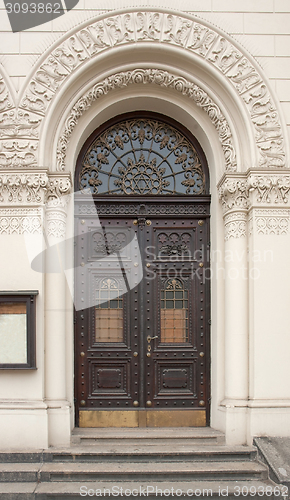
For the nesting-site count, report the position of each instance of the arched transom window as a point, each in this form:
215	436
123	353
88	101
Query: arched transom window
142	156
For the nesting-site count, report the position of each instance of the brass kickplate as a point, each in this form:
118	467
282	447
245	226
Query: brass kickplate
136	418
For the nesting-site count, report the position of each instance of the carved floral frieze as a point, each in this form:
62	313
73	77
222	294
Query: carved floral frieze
241	191
250	195
269	189
157	77
22	188
55	223
33	187
19	124
18	153
24	196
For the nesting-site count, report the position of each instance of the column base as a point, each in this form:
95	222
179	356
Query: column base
236	421
59	423
269	418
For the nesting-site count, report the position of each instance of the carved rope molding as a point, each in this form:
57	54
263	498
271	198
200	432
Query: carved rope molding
157	77
219	50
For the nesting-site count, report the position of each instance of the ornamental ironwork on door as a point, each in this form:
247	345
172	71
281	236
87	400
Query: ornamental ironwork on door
142	352
142	156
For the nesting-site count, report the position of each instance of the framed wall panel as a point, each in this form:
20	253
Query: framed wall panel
17	330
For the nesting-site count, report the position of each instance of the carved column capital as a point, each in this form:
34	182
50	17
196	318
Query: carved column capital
254	190
57	197
234	193
57	190
23	188
269	189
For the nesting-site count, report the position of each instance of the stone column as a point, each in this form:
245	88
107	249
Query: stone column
55	313
234	197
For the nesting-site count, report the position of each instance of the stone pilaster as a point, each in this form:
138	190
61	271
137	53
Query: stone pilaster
58	188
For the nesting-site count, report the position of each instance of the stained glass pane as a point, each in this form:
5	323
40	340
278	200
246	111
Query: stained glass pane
174	313
109	312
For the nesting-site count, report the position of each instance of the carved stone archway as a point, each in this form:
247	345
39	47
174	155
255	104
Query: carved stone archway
206	44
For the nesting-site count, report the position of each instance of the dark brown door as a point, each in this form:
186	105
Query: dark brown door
143	347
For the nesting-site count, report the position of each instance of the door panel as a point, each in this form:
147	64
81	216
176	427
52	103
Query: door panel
143	347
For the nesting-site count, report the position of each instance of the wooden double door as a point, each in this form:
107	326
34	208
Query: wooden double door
142	345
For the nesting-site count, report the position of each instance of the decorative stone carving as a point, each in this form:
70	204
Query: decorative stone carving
20	221
15	154
55	222
267	126
235	225
5	99
57	197
19	124
32	187
270	189
57	188
241	191
267	222
185	31
22	188
234	194
239	194
134	209
157	77
272	225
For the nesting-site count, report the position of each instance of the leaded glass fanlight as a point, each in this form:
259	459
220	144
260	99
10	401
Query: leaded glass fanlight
142	156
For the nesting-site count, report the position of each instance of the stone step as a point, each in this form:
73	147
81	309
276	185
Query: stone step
20	472
143	453
71	490
147	471
164	436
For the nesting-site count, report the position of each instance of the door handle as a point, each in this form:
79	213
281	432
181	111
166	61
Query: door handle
151	338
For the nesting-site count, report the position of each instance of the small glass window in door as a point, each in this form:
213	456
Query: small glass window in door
109	312
174	312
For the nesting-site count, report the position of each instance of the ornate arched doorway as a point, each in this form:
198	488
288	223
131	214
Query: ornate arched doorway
142	347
